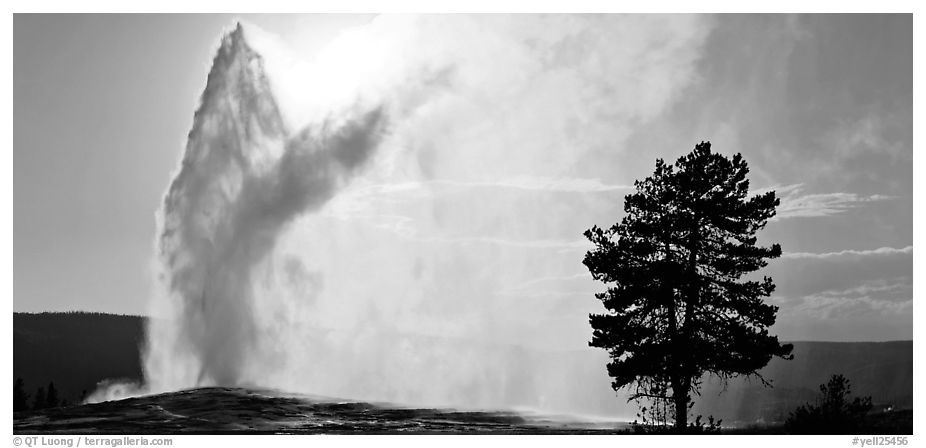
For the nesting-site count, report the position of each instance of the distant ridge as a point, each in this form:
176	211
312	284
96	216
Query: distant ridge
72	312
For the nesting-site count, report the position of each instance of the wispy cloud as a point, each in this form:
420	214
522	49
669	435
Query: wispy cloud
559	245
881	251
529	184
557	185
880	296
796	204
881	288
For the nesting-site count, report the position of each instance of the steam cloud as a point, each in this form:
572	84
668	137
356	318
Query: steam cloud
400	219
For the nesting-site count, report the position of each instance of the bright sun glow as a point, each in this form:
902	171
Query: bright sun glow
344	73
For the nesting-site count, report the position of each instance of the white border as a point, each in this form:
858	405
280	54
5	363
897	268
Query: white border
241	6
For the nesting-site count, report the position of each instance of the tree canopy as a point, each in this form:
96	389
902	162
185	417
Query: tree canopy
680	299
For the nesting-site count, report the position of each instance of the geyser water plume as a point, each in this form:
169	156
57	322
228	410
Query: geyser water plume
244	176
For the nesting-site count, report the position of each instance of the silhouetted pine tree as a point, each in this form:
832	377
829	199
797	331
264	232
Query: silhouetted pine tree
39	401
20	397
51	397
678	307
833	412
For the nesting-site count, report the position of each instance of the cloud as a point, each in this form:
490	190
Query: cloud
560	245
848	294
386	206
796	204
801	274
869	134
525	183
888	301
850	252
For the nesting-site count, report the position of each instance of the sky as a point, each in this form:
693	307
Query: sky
533	133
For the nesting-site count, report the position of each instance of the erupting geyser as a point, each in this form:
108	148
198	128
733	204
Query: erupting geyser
244	176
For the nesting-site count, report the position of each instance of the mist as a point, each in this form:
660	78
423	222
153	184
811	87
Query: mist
399	217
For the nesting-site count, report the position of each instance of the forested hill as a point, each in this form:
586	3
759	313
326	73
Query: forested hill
75	350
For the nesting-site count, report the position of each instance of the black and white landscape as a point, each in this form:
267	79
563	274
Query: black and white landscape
525	224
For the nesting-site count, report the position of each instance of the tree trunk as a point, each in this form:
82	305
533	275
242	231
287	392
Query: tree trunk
681	385
679	393
681	398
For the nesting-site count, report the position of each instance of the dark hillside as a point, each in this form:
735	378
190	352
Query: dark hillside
76	350
882	370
